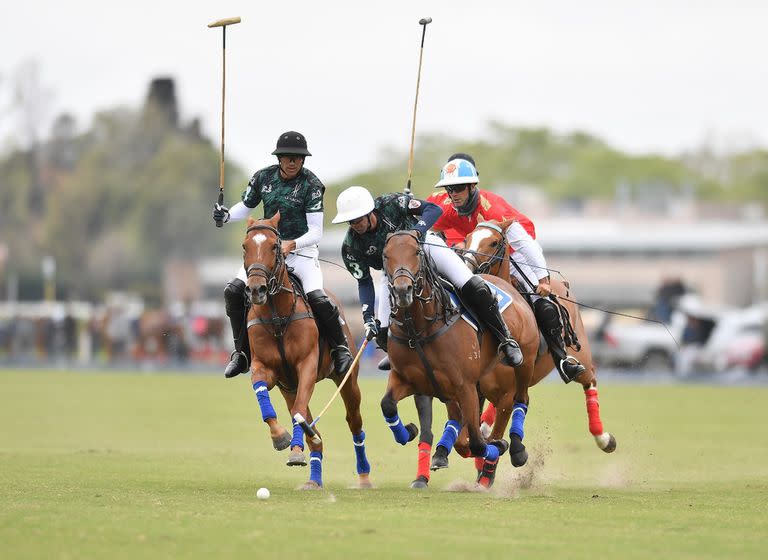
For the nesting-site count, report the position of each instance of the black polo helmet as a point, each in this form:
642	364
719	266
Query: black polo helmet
291	143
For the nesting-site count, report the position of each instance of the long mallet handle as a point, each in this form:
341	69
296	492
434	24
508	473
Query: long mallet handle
223	23
343	381
423	22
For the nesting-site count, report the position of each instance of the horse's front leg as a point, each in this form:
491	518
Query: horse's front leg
396	391
262	380
451	433
517	453
486	470
424	410
306	373
350	394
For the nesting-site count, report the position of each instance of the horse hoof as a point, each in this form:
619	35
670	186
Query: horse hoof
297	459
310	485
413	431
606	442
364	483
282	441
439	459
501	445
420	483
517	453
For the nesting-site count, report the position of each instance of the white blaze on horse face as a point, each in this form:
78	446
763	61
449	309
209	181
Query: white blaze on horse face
259	238
478	237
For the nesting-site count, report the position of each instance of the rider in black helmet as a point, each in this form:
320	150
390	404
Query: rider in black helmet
297	193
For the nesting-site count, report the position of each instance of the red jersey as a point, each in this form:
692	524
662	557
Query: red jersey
490	206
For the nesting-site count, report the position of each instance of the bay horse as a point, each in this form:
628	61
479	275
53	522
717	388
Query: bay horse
288	351
487	251
434	352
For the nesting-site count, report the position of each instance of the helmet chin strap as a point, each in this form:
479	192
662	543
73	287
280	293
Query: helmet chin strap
470	204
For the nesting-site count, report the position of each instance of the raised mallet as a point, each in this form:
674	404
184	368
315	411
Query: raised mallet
423	22
223	23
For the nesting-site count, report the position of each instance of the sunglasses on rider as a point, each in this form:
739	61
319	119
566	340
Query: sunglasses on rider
450	189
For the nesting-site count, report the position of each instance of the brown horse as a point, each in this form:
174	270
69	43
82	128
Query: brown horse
434	352
287	351
487	250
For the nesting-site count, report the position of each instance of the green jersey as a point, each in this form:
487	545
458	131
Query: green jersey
394	212
294	198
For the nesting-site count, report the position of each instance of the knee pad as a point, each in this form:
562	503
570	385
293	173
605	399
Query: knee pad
234	296
546	311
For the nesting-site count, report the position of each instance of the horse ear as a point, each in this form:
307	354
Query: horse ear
251	221
275	219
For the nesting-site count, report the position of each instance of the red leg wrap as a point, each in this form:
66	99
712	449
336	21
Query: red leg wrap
425	452
489	416
479	463
593	411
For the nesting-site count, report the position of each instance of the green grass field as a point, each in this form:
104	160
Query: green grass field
131	465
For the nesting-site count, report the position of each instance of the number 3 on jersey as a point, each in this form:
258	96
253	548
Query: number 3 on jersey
357	272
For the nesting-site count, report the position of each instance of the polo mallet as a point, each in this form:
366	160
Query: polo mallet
338	389
223	23
423	22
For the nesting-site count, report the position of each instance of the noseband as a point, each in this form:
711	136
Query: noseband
270	275
498	255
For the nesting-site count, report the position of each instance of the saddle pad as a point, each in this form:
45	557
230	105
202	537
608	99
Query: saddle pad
503	300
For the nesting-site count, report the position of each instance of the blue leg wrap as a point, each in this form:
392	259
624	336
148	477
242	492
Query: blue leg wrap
396	425
262	395
363	467
450	433
298	436
316	467
518	419
491	453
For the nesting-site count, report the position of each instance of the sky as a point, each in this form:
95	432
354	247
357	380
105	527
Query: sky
646	76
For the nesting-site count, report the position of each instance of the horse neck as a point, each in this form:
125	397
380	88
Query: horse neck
503	270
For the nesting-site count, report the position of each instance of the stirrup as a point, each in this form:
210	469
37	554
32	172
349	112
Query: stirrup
511	353
573	366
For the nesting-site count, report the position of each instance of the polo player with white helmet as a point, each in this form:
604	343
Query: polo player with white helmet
370	222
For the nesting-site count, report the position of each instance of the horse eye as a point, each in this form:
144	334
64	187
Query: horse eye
495	244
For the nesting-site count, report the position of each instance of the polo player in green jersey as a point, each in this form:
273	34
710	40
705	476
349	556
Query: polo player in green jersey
297	194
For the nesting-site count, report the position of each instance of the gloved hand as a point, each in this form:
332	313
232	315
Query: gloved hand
220	213
544	288
371	329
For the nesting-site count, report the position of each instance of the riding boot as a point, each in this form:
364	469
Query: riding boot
234	300
549	323
329	321
482	303
381	340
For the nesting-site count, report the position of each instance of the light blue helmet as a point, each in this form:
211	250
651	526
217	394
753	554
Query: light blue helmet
457	172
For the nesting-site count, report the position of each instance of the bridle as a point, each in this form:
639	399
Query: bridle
498	255
416	279
271	275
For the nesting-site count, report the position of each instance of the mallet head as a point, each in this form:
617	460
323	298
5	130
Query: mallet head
227	21
422	21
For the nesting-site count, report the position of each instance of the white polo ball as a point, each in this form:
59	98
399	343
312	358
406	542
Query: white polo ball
262	493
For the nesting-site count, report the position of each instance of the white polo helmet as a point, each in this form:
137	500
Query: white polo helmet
352	203
457	172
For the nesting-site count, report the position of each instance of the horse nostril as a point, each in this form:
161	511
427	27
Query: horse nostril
262	290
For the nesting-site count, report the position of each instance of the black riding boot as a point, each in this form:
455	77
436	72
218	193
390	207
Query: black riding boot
328	318
382	339
548	320
234	300
479	297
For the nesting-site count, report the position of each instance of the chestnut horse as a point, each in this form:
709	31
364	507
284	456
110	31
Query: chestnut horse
434	352
287	351
487	251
